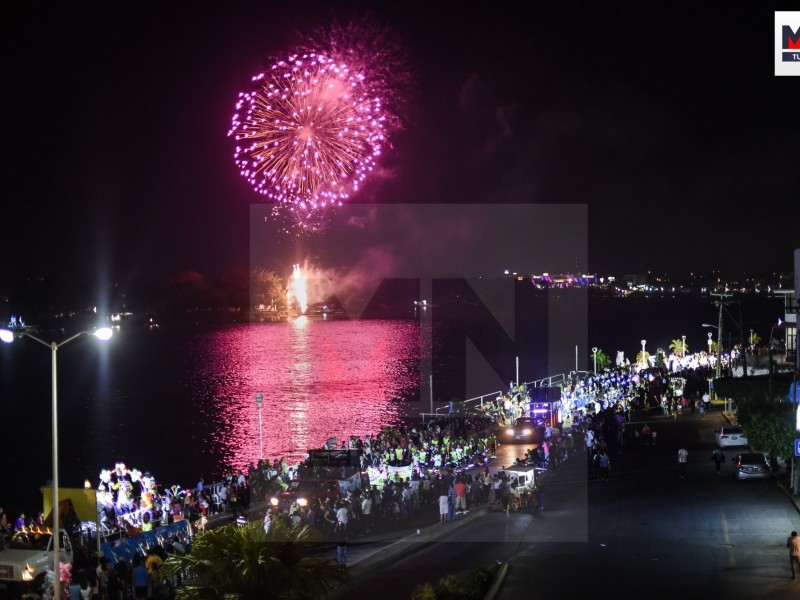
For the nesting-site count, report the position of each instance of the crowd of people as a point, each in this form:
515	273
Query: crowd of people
100	579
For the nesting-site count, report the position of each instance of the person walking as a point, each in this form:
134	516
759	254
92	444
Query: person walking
340	534
683	455
793	544
718	457
451	502
443	506
603	466
460	487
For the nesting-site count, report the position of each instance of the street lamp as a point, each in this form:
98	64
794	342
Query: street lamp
644	360
683	352
718	371
7	336
260	401
594	352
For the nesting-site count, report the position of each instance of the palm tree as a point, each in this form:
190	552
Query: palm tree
678	346
643	358
246	562
603	360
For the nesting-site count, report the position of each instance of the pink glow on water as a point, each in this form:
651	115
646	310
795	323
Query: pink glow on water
319	379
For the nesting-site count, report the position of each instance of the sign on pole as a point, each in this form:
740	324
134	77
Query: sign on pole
797	447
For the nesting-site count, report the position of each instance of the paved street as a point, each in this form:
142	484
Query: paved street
643	533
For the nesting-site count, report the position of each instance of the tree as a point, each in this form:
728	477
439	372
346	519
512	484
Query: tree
660	360
473	586
268	289
771	431
643	358
755	339
765	417
677	347
603	360
251	564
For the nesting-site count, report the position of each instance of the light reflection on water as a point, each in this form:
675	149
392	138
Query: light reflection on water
319	379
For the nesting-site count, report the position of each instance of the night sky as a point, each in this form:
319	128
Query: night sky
667	123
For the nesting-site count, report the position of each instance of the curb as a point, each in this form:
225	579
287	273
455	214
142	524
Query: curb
498	582
411	543
789	495
396	550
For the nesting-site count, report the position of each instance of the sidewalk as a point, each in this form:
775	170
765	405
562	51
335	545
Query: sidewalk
373	552
389	541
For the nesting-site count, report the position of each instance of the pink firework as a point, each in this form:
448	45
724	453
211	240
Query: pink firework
308	133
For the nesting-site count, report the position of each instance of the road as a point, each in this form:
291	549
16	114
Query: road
644	533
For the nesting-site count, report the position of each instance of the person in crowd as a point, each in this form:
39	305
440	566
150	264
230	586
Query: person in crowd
604	465
451	502
683	456
460	488
74	589
340	535
147	524
444	508
718	457
793	544
366	512
102	578
140	578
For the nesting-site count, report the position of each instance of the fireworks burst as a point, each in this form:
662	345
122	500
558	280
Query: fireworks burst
309	132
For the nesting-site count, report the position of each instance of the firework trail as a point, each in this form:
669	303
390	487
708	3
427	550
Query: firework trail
297	290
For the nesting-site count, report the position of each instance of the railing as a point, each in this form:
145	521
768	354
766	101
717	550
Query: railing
442	411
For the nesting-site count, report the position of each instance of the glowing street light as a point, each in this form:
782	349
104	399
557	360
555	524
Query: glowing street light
7	336
259	402
683	352
644	359
594	352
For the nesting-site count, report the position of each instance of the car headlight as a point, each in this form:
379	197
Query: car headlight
274	501
510	431
302	502
27	573
526	432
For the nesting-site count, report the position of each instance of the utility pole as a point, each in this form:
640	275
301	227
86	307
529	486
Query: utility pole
741	341
720	303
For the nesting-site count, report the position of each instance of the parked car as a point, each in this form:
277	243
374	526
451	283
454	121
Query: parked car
730	435
752	465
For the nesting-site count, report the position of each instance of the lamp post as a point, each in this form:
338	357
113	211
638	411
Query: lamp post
683	351
259	402
644	360
718	370
594	352
751	340
7	336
